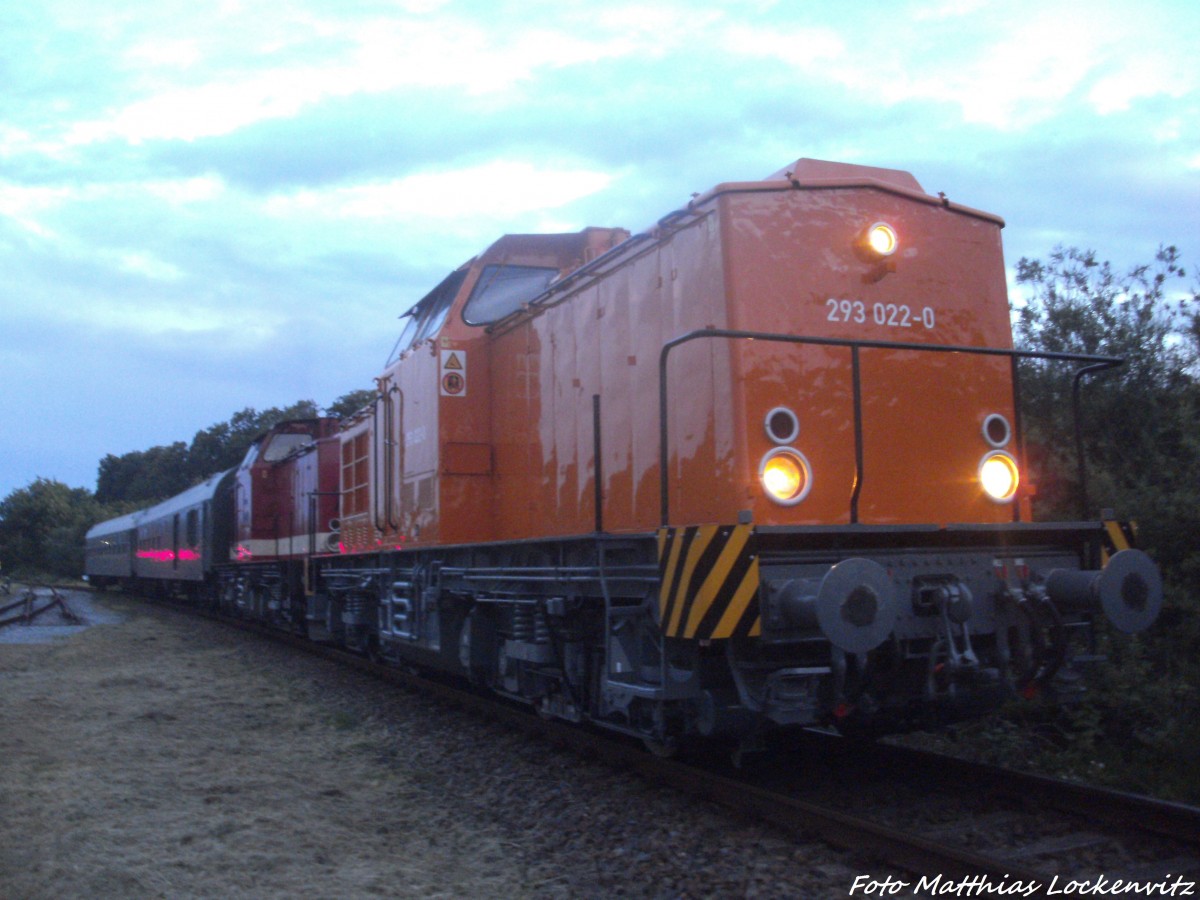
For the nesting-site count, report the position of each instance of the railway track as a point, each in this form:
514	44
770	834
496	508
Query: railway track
958	828
1011	827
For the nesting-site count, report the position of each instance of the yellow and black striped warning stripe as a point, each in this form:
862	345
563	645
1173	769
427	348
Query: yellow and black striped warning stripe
708	582
1118	536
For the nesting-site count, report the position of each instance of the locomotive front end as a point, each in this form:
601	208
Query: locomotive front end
930	629
890	573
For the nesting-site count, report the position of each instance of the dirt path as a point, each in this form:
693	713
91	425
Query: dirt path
166	757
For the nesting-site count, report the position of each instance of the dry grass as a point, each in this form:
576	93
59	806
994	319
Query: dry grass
164	757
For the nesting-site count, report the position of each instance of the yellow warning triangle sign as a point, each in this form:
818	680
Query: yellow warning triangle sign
452	362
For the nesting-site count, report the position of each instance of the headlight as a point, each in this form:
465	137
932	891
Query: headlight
785	475
881	239
999	476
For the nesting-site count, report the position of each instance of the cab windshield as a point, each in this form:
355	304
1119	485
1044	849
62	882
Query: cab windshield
502	290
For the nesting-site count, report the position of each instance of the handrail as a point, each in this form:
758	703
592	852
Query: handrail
1095	364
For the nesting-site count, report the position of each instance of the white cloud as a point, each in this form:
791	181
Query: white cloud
255	78
1138	76
500	189
189	113
14	140
235	328
948	9
146	265
1010	67
24	205
808	49
34	208
180	191
157	52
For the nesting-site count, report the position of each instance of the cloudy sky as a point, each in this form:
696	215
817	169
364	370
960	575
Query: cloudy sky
206	206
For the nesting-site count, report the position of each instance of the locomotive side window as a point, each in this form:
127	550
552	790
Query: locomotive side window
356	472
427	317
283	445
412	321
251	454
501	290
433	318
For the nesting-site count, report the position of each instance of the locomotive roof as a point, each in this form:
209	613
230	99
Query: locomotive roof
818	173
803	174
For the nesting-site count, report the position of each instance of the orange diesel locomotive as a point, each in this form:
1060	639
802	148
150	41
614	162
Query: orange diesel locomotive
759	466
756	466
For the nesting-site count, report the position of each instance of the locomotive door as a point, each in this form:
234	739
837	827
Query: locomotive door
388	458
396	466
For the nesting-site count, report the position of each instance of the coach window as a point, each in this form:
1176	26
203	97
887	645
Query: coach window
193	528
502	290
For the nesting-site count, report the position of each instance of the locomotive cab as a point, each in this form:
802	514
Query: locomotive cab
420	465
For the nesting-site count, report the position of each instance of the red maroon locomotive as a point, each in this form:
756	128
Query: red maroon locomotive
285	502
758	466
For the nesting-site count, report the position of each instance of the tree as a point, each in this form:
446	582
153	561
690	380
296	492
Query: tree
1141	435
1079	305
348	404
211	451
223	445
1138	724
42	527
147	476
144	475
1140	422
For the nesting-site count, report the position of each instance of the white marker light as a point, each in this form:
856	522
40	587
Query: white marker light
881	239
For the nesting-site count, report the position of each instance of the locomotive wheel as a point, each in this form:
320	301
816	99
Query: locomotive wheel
663	748
474	654
464	645
373	652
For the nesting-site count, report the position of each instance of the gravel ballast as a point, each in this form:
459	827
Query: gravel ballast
159	755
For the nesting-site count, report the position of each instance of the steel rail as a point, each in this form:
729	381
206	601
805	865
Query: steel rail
1121	809
27	602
